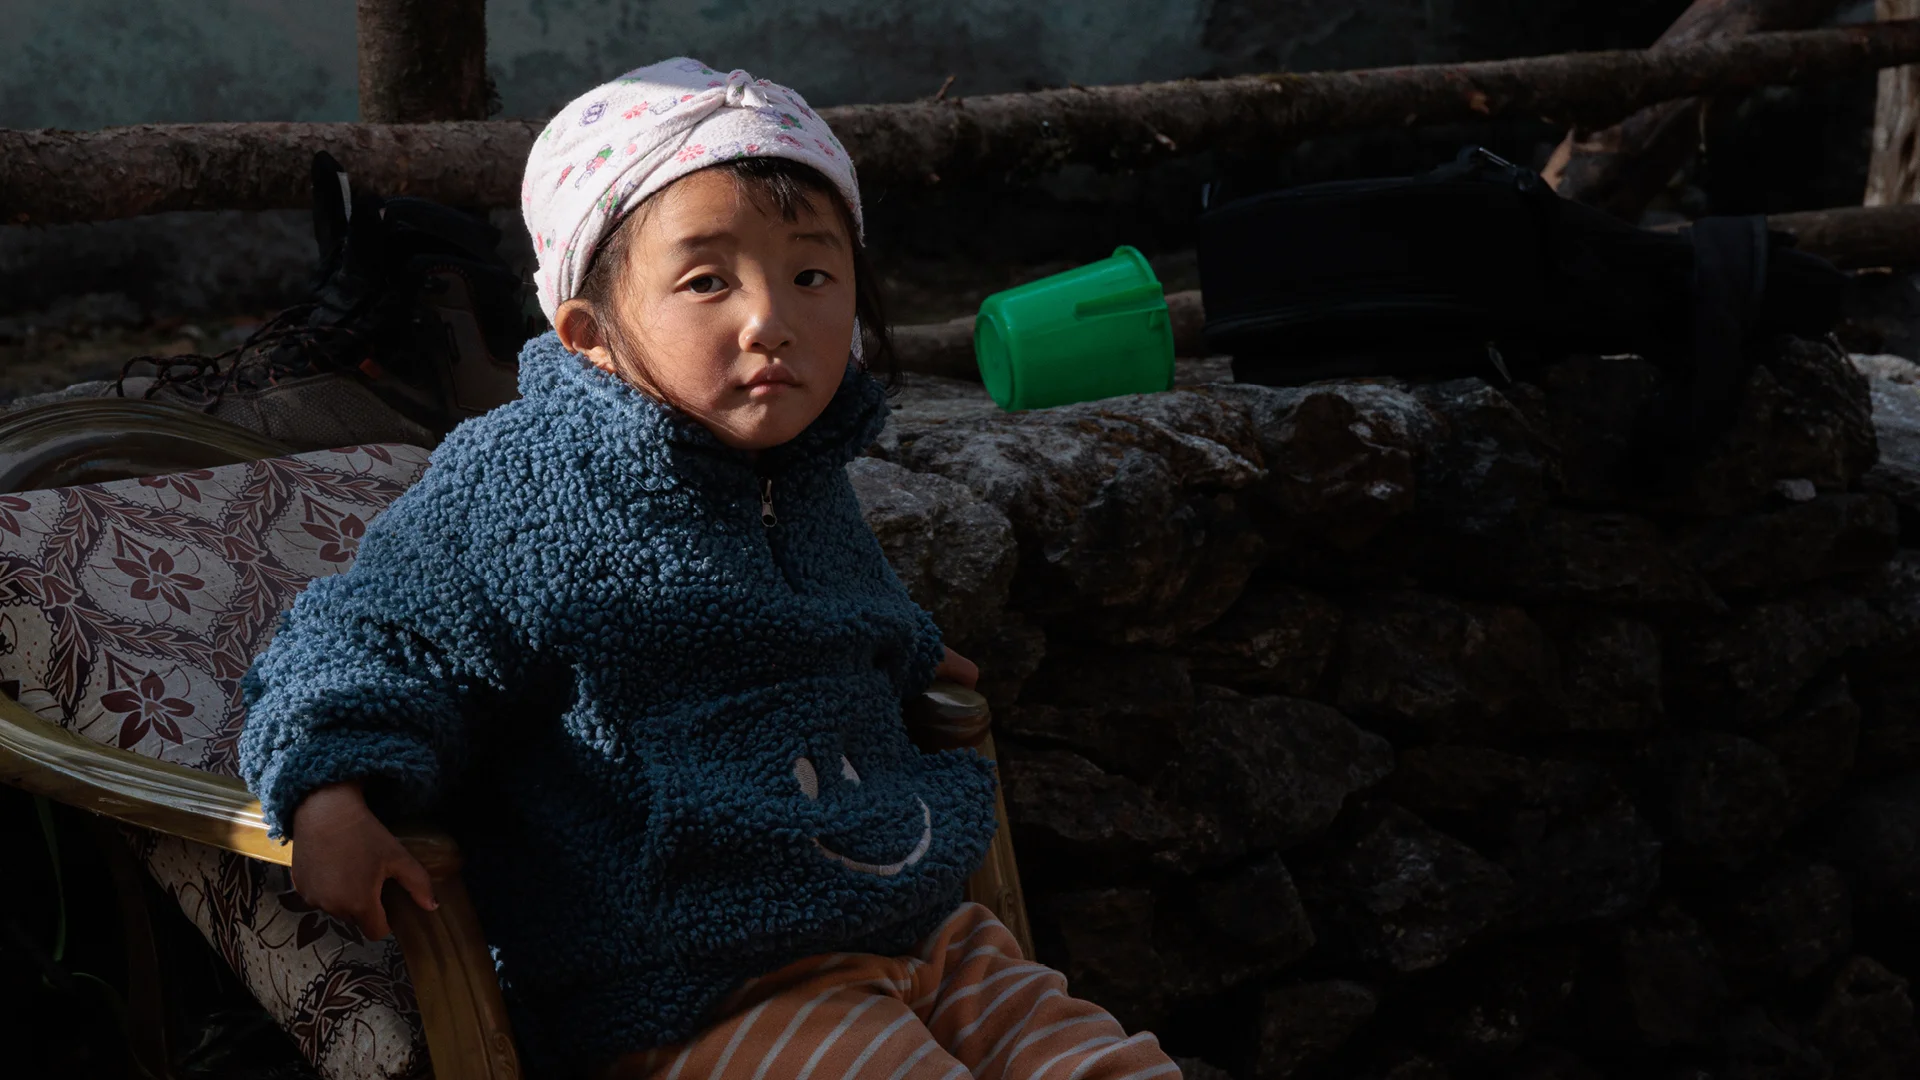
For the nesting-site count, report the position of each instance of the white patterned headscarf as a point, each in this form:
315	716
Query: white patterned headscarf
615	145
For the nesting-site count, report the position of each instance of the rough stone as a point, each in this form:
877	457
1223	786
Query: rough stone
1875	837
1825	536
1805	414
1463	785
1588	855
1342	455
1449	670
1273	771
935	399
1779	927
1137	951
1277	639
1896	424
955	553
1401	895
1125	509
1754	1047
1610	666
1599	558
1675	987
1723	798
1570	837
1603	687
1889	726
1815	744
1065	808
1866	1025
1257	909
1482	489
1887	368
1411	1067
1107	938
1894	592
1538	1062
1490	1009
1121	709
1192	1068
1008	651
1591	407
1305	1023
1491	465
1748	667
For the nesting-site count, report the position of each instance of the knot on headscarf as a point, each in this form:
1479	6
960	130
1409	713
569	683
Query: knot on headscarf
742	91
612	147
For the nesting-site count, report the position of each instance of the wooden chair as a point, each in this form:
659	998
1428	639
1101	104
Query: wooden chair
98	488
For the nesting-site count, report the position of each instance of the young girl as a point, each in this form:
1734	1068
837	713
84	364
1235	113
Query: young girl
630	639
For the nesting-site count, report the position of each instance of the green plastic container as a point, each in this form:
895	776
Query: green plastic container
1097	331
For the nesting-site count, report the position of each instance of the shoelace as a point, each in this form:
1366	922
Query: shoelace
203	373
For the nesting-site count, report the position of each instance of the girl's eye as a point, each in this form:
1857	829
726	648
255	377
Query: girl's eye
706	283
807	279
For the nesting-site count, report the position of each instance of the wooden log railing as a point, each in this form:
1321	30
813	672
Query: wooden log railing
1621	168
58	176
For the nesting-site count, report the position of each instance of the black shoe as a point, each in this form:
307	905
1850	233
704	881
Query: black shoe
414	324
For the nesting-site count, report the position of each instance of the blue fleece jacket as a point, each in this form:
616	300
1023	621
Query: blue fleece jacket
667	732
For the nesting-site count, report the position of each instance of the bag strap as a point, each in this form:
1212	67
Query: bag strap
1729	289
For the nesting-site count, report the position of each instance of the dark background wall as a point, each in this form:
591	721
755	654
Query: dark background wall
89	63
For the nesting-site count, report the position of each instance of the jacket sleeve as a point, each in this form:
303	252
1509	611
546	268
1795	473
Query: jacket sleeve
376	673
925	648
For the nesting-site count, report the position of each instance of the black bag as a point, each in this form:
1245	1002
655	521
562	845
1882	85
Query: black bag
1479	268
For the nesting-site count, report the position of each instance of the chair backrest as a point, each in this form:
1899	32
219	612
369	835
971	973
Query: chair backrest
129	610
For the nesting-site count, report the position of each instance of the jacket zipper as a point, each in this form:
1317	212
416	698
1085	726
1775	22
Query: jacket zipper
767	517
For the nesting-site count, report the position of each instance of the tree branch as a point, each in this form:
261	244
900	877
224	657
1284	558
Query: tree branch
1856	237
422	60
54	176
1621	168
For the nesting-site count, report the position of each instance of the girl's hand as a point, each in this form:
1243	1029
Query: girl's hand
955	668
343	857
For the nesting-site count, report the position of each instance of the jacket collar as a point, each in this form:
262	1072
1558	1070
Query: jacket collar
667	443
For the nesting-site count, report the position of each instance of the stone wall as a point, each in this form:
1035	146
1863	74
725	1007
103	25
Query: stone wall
1375	729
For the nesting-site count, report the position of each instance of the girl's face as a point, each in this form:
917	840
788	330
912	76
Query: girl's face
742	320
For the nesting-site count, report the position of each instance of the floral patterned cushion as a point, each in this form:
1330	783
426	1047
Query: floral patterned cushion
128	613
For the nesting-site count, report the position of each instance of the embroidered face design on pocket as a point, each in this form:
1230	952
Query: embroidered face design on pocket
777	831
808	778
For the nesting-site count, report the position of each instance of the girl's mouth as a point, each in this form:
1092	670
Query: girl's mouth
772	379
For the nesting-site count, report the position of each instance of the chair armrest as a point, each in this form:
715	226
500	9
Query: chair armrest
948	716
46	759
91	440
453	978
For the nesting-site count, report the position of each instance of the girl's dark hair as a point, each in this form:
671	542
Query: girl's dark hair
786	187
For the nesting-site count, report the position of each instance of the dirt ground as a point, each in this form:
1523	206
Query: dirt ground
52	350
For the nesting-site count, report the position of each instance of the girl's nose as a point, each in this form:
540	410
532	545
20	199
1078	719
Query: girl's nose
766	331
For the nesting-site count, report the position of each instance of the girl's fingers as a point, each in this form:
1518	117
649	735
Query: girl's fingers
414	878
373	918
959	669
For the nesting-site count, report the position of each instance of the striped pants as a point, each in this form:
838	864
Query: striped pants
968	1004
